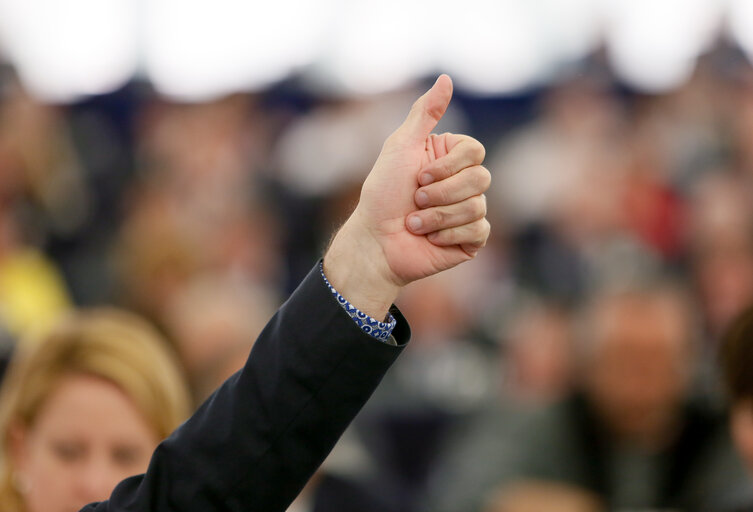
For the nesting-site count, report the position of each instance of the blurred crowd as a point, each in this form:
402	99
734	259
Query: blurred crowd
571	367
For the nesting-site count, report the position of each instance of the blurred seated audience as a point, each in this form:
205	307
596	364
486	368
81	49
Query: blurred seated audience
83	407
631	432
201	206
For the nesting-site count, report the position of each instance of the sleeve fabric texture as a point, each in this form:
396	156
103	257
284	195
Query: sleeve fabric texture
257	440
371	326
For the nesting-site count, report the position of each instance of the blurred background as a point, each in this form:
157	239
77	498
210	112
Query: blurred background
188	160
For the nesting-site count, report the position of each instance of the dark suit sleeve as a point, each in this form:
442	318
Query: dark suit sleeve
256	441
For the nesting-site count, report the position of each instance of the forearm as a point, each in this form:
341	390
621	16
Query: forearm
354	265
256	441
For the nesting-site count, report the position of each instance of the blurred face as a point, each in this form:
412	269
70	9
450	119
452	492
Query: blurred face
638	369
541	355
87	437
741	423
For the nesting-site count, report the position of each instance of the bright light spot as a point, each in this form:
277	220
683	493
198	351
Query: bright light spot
379	45
493	46
653	45
66	49
199	49
657	74
571	28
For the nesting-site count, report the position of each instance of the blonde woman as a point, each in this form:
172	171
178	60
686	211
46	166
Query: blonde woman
83	408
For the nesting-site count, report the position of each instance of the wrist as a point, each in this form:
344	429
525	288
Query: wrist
354	266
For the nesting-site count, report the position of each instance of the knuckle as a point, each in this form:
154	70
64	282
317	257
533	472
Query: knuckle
487	178
478	229
477	233
487	228
438	218
443	195
478	151
434	110
483	178
448	168
479	206
435	113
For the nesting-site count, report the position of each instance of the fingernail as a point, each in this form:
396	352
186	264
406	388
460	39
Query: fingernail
414	222
422	198
426	178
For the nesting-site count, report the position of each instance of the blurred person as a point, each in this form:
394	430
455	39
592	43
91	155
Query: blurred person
687	128
579	123
154	256
536	367
736	358
741	120
256	441
721	245
631	433
41	194
442	380
33	293
537	354
654	212
197	204
544	193
39	165
724	276
214	344
47	182
206	153
83	407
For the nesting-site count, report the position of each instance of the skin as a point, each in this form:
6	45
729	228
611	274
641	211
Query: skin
87	437
639	371
421	210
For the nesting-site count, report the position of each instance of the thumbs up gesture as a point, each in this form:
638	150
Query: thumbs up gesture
421	210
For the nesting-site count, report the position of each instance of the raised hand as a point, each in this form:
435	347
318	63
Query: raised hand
421	211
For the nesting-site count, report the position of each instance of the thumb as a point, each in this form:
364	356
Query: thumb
426	111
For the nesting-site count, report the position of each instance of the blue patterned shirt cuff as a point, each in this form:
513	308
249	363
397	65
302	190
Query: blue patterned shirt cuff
379	330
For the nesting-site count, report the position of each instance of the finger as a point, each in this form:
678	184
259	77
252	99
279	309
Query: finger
426	112
444	217
469	182
471	237
464	151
